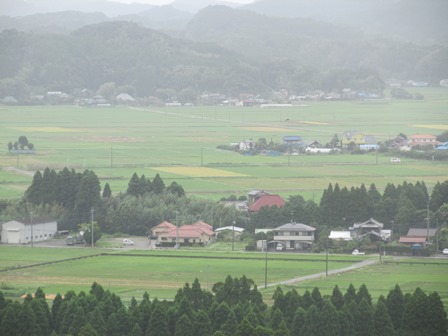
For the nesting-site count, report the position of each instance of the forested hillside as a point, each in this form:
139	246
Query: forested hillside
124	53
221	50
421	22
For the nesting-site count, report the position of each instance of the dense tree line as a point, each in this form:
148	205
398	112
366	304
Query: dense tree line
235	307
402	206
69	196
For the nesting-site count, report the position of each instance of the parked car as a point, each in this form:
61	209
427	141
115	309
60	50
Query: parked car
395	160
70	240
356	252
445	251
128	242
279	247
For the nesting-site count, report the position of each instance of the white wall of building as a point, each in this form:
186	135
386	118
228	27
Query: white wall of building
14	232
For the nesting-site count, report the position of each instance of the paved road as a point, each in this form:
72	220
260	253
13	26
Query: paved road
323	275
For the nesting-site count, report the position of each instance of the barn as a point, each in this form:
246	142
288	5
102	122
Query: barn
26	232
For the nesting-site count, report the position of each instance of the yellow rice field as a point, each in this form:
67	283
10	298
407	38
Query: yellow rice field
438	127
46	129
268	129
198	172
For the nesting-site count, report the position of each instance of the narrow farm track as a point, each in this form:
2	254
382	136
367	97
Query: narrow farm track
323	274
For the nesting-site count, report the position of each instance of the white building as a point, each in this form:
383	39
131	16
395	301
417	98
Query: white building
14	232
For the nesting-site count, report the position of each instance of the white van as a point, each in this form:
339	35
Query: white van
395	160
279	247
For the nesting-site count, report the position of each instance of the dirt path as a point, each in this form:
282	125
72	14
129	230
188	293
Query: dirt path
19	171
323	275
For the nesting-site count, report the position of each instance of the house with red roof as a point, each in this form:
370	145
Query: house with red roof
422	140
197	233
267	200
163	227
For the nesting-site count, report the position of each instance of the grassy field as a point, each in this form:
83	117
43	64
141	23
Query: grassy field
381	278
180	144
162	272
159	272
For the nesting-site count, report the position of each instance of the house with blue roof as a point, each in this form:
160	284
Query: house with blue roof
443	146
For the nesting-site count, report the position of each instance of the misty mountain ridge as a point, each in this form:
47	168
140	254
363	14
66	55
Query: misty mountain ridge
111	9
220	49
422	22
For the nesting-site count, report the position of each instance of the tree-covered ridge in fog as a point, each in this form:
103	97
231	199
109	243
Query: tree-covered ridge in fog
239	52
235	307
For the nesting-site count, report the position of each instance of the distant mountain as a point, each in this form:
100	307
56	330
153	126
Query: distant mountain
269	39
288	43
160	18
221	50
108	8
60	22
193	6
29	7
123	53
418	21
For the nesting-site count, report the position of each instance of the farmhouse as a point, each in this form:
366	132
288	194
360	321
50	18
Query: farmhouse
197	233
352	136
295	236
163	227
422	140
371	228
26	232
255	194
418	236
266	201
292	140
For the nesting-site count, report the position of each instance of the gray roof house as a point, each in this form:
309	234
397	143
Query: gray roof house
295	236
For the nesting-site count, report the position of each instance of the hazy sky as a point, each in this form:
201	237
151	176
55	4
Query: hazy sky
165	2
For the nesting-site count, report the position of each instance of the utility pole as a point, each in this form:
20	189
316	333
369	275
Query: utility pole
32	229
233	236
92	211
427	227
202	156
177	230
266	266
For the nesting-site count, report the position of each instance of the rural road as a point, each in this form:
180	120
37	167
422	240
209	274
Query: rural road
322	274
